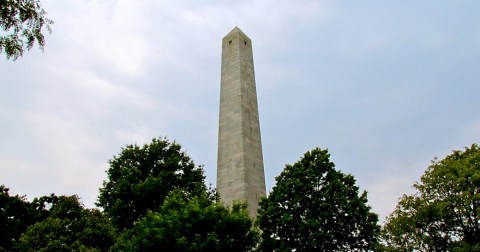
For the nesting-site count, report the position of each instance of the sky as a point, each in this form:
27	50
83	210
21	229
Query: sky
384	85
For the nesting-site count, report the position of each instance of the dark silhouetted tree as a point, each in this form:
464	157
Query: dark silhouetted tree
69	227
16	214
140	178
314	207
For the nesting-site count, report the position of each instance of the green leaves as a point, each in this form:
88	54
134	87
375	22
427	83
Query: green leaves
69	227
16	214
140	178
314	207
191	224
443	214
22	22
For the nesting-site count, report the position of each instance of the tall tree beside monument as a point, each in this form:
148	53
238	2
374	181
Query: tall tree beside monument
140	178
314	207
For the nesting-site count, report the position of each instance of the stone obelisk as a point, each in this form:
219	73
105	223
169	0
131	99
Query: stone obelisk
240	173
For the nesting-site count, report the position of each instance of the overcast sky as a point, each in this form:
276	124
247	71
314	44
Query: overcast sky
384	85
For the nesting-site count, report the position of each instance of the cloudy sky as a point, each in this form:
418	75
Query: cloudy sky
384	85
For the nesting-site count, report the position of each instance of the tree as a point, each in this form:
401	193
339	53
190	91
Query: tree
197	224
69	227
22	22
444	213
140	178
16	214
314	207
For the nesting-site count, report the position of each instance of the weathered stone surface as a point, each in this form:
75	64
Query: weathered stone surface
240	172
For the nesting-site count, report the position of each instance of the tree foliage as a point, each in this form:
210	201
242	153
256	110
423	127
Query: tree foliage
22	22
314	207
16	214
69	227
444	213
196	224
140	178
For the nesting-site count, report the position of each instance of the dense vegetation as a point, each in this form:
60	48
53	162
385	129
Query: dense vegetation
444	213
314	207
155	198
140	178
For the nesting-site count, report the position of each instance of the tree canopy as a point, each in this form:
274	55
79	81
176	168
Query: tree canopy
16	214
69	227
444	213
197	224
21	22
314	207
140	178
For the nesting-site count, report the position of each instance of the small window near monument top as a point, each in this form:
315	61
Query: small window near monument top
230	42
245	42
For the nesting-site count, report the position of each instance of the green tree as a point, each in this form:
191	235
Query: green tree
21	22
69	227
444	213
314	207
16	214
140	178
197	224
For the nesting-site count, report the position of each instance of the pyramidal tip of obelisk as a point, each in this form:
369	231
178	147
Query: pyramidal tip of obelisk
235	30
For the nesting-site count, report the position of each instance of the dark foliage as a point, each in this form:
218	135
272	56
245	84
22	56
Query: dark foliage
140	178
314	207
197	224
16	214
69	227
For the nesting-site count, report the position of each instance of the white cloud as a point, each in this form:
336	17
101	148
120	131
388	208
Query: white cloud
64	141
108	33
329	74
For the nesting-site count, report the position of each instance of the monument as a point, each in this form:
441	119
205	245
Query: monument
240	173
